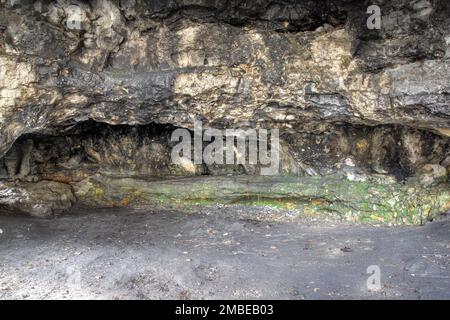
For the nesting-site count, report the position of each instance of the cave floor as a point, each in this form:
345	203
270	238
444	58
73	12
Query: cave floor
126	254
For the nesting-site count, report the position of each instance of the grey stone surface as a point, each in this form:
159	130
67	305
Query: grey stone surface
293	64
339	92
41	199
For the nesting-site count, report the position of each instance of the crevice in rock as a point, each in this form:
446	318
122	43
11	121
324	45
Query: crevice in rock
74	151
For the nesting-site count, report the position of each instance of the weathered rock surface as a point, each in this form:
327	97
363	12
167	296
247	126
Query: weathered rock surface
145	150
299	65
431	174
42	199
376	201
348	100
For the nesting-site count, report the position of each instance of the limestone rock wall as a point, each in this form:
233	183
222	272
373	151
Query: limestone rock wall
299	65
85	84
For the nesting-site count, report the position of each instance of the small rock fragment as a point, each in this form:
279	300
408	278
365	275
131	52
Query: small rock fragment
431	174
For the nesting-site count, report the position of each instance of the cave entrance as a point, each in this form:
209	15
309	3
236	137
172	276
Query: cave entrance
73	152
336	171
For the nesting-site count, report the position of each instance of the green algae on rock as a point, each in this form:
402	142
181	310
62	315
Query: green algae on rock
369	201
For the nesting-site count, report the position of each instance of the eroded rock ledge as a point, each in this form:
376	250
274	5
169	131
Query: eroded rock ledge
100	100
377	201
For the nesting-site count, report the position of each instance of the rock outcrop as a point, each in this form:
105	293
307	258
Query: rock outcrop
302	65
347	99
42	199
377	201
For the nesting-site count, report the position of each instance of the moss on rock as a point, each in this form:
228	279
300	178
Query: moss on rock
368	201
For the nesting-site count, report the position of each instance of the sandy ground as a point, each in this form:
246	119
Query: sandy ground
125	254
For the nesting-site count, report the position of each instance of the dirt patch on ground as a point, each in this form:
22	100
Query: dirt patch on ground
124	254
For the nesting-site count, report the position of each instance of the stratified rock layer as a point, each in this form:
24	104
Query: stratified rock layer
375	201
299	65
347	99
